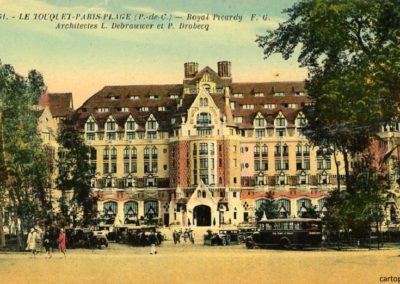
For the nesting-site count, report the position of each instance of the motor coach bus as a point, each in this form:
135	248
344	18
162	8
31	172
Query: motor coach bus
286	233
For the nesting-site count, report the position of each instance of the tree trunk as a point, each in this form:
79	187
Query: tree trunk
347	169
2	237
337	167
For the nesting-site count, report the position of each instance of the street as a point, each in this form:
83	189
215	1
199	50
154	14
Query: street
187	263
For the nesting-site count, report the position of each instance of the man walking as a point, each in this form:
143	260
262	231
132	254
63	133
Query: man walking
153	241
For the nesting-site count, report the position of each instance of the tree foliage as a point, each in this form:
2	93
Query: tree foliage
75	174
24	181
356	211
350	48
269	207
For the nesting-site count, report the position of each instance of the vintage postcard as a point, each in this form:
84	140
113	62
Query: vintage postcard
199	141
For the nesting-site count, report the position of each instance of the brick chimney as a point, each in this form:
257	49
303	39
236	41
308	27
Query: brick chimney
191	69
224	69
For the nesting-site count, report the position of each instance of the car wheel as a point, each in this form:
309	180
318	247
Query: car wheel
285	243
249	245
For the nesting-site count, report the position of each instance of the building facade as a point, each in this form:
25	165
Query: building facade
203	153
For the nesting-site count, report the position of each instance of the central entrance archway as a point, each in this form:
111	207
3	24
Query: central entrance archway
202	214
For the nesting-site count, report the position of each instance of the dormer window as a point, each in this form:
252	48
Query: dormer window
90	128
102	109
280	125
130	127
134	97
299	93
110	129
259	95
238	119
294	106
279	94
162	108
144	109
114	98
269	106
174	97
207	88
247	106
151	128
154	97
124	109
238	95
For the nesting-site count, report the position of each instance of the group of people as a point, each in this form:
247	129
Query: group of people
188	234
37	240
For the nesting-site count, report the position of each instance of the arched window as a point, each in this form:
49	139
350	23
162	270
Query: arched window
130	212
302	206
283	207
151	210
110	210
133	153
126	153
264	150
257	149
113	153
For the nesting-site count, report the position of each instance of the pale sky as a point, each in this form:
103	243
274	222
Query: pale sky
84	61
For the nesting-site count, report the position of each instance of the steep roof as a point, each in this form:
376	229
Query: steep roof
168	101
60	104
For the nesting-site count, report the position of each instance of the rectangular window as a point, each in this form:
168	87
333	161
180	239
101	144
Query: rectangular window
265	165
105	168
285	164
113	168
130	136
90	136
146	167
111	136
278	165
260	133
306	164
154	167
133	167
152	135
280	132
257	165
126	168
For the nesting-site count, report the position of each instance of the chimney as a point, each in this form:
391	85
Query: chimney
224	69
191	69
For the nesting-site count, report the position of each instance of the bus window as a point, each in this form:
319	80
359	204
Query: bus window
296	226
268	226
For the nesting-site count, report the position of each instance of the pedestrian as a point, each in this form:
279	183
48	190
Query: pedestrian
175	236
47	242
153	241
191	236
31	242
61	242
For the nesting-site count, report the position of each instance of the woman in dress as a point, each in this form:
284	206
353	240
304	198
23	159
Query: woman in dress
61	241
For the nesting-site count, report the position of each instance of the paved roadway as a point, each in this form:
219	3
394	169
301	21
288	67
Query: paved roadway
187	263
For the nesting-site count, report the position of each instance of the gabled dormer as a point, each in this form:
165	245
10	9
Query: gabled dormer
91	128
151	127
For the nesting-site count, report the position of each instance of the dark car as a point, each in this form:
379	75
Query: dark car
99	239
246	232
223	237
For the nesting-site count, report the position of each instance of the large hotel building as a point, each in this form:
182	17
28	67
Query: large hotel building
203	153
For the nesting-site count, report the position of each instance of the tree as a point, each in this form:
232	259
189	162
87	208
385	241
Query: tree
350	48
268	207
74	176
24	182
354	212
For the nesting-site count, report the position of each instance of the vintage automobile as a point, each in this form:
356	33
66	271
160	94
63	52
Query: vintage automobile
245	232
286	233
85	238
99	239
136	235
223	237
